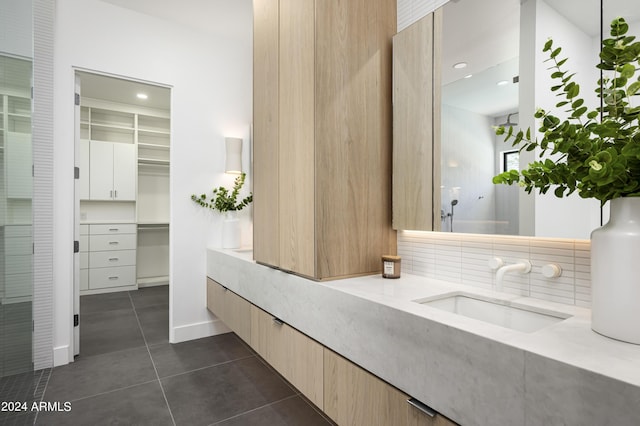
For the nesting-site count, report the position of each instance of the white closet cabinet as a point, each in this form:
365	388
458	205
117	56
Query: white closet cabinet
112	171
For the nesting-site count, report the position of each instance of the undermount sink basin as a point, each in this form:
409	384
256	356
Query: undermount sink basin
495	311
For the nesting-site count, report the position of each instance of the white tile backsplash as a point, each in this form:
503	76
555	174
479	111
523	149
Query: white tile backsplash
462	258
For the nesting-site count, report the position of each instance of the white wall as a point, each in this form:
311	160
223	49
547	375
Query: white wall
211	80
467	169
16	28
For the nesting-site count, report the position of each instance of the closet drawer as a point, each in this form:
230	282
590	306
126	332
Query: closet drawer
112	277
84	260
112	242
112	229
107	259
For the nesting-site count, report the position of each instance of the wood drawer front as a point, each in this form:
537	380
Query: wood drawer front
112	229
112	242
84	260
112	277
84	279
108	259
230	308
294	355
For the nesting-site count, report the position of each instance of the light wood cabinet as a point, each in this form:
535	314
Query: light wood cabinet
230	308
416	125
322	135
295	356
353	396
112	171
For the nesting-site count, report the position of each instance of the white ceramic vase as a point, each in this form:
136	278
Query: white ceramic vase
231	230
615	273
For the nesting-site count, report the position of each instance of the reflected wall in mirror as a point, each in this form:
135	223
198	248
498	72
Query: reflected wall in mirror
505	79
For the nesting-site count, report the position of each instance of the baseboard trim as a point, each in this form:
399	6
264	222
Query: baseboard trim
61	355
197	331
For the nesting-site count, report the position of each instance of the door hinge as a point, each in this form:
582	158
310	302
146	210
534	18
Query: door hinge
77	99
76	172
76	320
76	246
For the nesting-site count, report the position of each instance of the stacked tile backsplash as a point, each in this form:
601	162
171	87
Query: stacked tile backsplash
463	258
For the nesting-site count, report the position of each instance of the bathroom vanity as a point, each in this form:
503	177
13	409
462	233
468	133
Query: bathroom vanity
472	371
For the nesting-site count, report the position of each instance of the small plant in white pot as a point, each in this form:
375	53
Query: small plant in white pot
596	154
226	202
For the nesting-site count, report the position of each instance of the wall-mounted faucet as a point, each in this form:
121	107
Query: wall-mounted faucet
523	266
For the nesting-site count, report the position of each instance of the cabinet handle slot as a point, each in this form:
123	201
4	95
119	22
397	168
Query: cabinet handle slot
113	259
113	278
113	243
278	321
111	194
113	229
115	194
422	407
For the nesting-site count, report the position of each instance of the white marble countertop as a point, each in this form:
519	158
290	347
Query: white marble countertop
563	373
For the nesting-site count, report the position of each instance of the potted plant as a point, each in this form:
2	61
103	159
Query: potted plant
596	153
226	202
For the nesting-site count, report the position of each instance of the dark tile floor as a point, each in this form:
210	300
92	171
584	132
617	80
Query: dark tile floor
129	374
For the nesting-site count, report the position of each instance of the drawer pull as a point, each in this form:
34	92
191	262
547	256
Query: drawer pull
113	259
113	243
422	407
114	229
114	278
278	321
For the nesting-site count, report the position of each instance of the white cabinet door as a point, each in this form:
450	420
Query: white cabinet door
112	171
101	171
84	169
124	172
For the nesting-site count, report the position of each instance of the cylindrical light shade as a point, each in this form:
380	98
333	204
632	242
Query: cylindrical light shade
233	155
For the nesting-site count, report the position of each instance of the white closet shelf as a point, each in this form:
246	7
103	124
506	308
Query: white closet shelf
153	161
153	145
154	131
114	127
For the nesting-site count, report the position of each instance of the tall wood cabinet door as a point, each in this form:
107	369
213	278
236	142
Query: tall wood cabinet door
416	124
353	135
101	170
266	239
296	162
124	172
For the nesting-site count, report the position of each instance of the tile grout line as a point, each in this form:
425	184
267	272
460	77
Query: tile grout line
254	409
135	312
209	366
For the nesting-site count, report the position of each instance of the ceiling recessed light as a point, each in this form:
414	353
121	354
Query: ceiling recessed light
142	96
460	65
502	82
468	76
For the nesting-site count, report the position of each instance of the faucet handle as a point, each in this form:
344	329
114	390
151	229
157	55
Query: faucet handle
495	263
551	270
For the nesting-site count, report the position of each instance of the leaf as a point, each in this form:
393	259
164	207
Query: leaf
547	45
633	88
556	52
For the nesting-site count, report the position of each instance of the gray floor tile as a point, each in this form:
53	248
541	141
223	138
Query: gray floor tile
289	412
155	323
105	302
139	405
150	296
179	358
213	394
101	373
109	331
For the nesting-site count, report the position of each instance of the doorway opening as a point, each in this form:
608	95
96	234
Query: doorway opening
121	268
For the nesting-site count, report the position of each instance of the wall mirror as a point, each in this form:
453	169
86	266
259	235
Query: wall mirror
493	73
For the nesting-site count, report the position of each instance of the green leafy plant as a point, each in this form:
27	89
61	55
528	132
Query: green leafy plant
598	151
223	200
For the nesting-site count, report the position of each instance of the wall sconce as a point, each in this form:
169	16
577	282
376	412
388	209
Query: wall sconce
233	155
